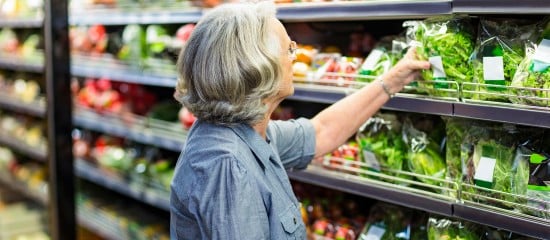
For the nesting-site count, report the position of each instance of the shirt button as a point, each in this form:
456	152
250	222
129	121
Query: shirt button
294	220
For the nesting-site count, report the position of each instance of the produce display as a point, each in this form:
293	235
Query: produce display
120	217
25	45
329	214
499	50
500	165
21	8
447	42
533	72
24	130
144	167
24	88
381	144
391	222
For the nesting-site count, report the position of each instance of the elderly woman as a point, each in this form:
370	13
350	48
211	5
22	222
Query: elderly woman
231	180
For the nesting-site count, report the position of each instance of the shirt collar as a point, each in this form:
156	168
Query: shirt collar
255	142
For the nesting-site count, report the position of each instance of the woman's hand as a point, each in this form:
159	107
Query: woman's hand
404	72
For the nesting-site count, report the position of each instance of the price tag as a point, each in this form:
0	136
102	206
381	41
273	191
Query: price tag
374	233
484	172
370	160
493	68
543	51
437	67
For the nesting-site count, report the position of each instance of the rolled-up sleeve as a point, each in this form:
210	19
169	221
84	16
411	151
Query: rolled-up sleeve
294	141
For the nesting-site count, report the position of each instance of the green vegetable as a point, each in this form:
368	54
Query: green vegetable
452	39
381	135
445	229
506	38
424	157
394	220
533	74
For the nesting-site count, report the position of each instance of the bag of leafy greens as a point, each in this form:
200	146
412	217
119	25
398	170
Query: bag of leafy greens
499	50
534	72
424	155
380	143
387	222
496	164
456	130
378	62
531	179
447	42
443	228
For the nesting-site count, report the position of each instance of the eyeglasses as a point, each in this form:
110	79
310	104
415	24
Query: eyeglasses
292	49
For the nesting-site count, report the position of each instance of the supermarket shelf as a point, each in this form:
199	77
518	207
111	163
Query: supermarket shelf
95	226
135	16
21	22
525	226
327	11
123	74
92	174
501	6
362	10
7	180
115	127
20	64
402	102
37	108
371	189
32	152
531	117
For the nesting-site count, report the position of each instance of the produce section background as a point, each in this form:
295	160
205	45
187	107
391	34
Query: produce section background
128	130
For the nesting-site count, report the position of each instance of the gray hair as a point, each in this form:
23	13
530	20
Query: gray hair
230	64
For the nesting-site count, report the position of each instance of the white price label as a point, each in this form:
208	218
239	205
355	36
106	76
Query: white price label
493	68
485	169
374	233
543	51
437	67
370	160
372	59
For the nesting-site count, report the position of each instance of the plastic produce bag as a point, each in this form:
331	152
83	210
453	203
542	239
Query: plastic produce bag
534	72
450	230
447	42
531	179
387	222
494	166
380	143
423	157
378	62
499	50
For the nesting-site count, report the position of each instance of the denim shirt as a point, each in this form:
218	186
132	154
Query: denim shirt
230	183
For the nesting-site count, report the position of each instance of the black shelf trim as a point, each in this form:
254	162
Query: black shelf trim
402	102
34	108
537	118
123	75
21	22
501	6
86	171
19	187
23	148
345	11
354	185
19	64
125	132
509	222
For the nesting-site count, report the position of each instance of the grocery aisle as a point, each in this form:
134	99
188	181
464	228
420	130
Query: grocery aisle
461	153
